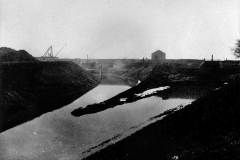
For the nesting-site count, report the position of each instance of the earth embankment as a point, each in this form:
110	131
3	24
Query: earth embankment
31	88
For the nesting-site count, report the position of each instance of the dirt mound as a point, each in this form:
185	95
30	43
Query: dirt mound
11	55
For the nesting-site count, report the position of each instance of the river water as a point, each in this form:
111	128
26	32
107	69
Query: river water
58	135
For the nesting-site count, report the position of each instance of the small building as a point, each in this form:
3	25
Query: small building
158	56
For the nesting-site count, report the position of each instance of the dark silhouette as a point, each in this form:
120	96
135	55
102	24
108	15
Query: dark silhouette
236	50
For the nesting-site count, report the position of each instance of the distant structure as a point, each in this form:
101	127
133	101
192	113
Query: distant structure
49	52
49	56
158	56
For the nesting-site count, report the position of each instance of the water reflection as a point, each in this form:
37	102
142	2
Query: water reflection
19	107
58	135
187	92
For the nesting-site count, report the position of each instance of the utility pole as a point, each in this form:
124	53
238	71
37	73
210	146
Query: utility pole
100	72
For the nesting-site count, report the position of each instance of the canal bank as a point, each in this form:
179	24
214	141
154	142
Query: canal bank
29	88
206	129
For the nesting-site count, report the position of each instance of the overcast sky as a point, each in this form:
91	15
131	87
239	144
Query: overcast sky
121	28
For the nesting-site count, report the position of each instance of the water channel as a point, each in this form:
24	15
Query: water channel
58	135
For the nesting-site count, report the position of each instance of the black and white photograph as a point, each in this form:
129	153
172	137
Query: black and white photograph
119	79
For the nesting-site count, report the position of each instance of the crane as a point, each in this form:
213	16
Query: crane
60	50
49	52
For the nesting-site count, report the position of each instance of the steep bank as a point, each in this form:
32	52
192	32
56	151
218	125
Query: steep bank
207	129
29	89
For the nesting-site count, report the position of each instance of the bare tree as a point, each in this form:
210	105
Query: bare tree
236	50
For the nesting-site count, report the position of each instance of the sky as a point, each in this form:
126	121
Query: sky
121	28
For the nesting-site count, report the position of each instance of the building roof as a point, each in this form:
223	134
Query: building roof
158	52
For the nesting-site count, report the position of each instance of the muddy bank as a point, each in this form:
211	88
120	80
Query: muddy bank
187	71
29	89
206	129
